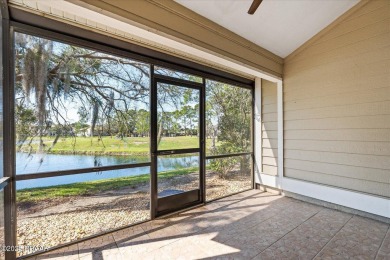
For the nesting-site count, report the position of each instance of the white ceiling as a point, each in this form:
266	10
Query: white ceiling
280	26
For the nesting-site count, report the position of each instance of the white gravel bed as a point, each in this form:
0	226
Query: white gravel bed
49	224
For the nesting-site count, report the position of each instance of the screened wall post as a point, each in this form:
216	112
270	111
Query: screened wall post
202	140
153	144
8	130
253	139
257	131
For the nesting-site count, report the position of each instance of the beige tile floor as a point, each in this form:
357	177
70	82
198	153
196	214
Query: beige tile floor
250	225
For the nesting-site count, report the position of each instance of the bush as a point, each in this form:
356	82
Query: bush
223	166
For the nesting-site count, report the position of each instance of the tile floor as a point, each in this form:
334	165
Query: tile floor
250	225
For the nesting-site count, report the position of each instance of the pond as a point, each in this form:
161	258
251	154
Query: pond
36	163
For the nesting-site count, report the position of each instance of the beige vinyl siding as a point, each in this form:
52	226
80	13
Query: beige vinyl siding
269	127
337	104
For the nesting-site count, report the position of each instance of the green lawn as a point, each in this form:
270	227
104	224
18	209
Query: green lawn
112	145
91	187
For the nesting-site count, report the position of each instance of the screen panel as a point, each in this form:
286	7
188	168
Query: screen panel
78	108
228	175
57	210
228	118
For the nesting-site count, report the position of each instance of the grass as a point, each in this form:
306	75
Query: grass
91	187
112	146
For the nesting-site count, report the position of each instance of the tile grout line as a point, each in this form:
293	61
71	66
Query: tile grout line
180	238
330	240
113	238
100	247
78	251
383	242
288	232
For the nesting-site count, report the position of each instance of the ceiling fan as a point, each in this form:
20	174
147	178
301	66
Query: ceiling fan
255	4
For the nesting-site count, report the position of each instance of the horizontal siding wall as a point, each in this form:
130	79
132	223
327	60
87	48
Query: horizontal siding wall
269	127
337	105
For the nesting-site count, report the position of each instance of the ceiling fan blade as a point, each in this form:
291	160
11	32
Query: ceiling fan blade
255	4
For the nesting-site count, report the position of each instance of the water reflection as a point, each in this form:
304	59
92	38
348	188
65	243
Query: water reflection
36	163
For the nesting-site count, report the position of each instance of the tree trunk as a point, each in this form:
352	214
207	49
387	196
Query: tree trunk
159	134
95	113
214	137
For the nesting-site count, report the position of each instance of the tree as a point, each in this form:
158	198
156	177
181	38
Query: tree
24	124
186	117
176	125
53	77
143	122
80	128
